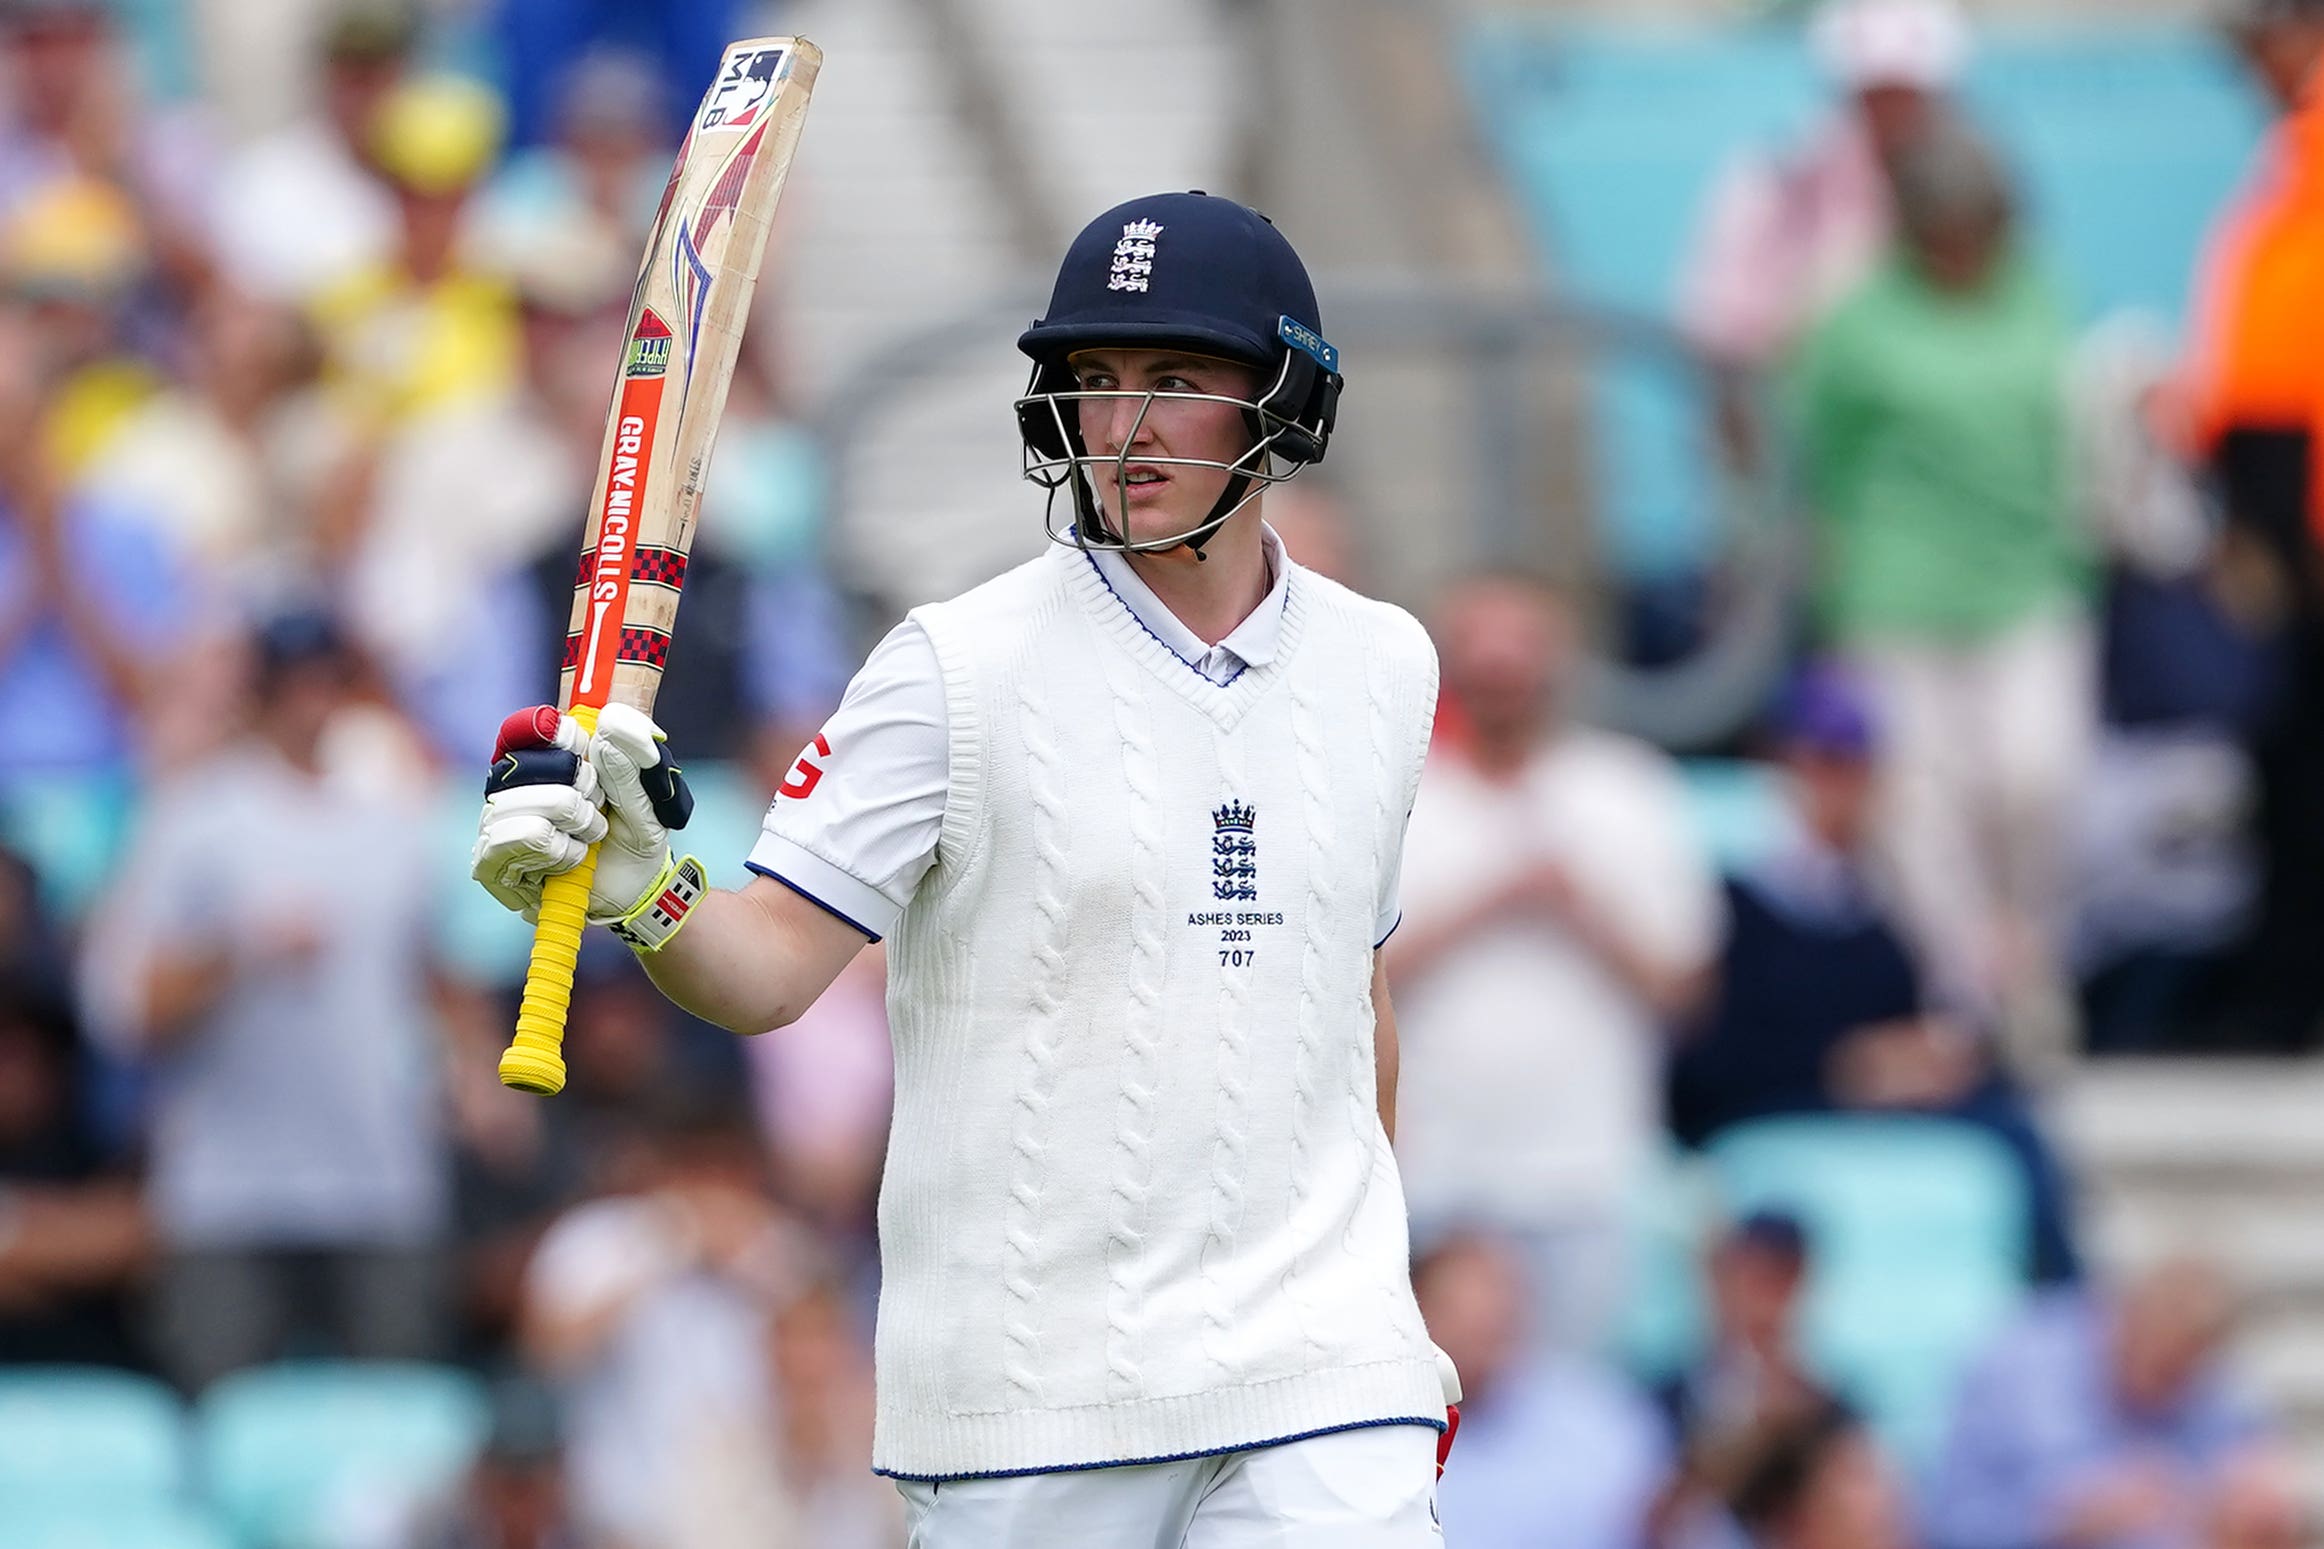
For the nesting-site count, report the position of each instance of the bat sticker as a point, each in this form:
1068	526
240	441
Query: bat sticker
649	349
625	474
746	87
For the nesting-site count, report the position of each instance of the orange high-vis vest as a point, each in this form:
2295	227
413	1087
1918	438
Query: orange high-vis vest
2256	357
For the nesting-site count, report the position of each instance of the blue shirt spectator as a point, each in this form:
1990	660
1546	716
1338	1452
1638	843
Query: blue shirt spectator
68	719
1552	1448
1819	1004
2103	1422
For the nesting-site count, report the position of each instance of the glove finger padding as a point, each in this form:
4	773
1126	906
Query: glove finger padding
645	793
645	797
528	834
541	808
543	766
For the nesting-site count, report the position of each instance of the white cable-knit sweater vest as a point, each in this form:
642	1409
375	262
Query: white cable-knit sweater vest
1138	1203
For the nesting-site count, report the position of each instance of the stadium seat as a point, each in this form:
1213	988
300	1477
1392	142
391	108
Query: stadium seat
1661	1326
112	1524
1919	1232
1738	807
71	828
73	1435
2128	139
286	1450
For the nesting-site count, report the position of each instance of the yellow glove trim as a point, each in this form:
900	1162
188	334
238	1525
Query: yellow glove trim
655	918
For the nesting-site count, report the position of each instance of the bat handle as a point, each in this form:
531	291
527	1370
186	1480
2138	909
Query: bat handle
534	1061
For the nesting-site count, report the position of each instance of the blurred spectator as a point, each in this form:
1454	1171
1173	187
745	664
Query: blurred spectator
94	599
519	1162
543	39
2259	283
824	1086
802	1484
206	456
72	1230
1754	1373
2106	1420
74	114
605	168
1553	1448
1783	238
1819	1005
2166	876
1817	1482
1933	447
1753	1379
267	962
514	1495
823	1378
72	254
1557	913
305	206
2254	388
651	1311
422	328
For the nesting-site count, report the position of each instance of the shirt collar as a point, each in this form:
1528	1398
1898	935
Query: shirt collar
1253	642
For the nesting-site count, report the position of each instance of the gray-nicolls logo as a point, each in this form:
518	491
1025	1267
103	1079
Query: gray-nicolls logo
1234	853
1134	256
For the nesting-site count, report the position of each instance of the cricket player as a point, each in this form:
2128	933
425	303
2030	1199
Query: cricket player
1129	818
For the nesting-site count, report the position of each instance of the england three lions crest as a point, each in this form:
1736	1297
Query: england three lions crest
1134	256
1234	853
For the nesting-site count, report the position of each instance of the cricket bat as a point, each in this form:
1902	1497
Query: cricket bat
686	317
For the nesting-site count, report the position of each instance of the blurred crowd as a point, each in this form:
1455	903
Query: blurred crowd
306	404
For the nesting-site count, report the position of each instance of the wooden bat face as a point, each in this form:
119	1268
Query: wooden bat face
686	315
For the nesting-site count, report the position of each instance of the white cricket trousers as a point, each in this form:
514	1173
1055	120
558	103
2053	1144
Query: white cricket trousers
1373	1488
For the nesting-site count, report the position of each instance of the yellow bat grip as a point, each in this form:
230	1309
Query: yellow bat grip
533	1061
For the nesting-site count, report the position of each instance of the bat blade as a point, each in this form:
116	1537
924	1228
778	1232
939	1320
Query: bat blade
692	297
686	317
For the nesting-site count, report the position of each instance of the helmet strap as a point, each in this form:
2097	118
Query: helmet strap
1229	500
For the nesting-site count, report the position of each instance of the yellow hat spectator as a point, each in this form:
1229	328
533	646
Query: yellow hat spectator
438	134
76	237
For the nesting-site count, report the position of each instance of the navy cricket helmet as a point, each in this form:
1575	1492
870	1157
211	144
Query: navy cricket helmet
1199	273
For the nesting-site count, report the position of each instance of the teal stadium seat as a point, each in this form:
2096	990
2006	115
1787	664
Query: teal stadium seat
72	829
1738	807
2128	139
285	1451
72	1435
1661	1327
112	1524
1919	1232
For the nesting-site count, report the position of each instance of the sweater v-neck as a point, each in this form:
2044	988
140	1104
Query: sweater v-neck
1224	703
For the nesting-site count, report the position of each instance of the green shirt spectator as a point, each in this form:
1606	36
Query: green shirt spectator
1932	443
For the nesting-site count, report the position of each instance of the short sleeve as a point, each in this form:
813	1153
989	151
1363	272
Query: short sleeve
855	824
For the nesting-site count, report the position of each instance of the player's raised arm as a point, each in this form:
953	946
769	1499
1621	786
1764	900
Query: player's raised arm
748	960
754	959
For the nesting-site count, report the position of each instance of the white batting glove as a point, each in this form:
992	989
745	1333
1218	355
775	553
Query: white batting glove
645	797
540	808
542	811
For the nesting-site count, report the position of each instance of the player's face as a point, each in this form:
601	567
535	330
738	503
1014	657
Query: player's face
1162	496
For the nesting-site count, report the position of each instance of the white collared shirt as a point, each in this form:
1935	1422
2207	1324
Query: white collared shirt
1249	644
855	825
